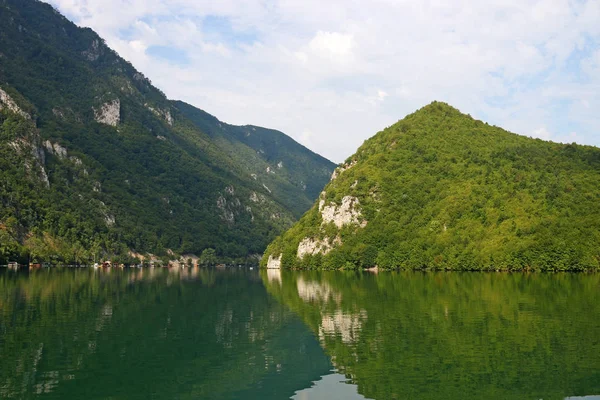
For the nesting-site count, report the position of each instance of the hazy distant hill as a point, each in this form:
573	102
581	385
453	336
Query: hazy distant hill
441	190
96	160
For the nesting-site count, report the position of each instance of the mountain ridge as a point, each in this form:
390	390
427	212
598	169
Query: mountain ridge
100	163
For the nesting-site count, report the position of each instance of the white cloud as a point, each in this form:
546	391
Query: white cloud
542	133
331	74
332	44
138	46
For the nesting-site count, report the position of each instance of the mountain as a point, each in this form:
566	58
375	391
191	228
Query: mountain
294	174
96	162
441	190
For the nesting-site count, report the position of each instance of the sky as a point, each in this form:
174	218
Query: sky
333	73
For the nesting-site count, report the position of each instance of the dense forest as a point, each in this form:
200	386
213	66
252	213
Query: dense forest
96	162
441	190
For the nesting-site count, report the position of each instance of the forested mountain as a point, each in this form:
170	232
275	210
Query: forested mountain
96	161
442	190
279	162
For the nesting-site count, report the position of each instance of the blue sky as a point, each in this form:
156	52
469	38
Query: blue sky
331	74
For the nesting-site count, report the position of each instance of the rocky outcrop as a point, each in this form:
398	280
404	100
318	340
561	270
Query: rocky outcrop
34	157
339	170
93	53
109	219
109	113
230	206
226	214
274	262
312	246
56	149
7	102
347	213
164	114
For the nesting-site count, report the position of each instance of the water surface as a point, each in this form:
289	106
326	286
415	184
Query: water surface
150	334
453	335
241	334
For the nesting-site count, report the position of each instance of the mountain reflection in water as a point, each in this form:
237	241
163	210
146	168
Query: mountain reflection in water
150	333
453	335
219	334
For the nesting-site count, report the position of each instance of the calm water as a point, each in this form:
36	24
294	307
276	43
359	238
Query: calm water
240	334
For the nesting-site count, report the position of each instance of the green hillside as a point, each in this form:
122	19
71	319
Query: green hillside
442	190
95	161
294	174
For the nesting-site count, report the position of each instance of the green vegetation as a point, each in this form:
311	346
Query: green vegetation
294	174
74	188
439	335
440	190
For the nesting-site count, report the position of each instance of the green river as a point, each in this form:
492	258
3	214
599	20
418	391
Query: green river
237	333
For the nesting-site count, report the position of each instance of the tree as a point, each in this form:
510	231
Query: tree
208	257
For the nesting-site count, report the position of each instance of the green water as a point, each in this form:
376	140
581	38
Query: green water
242	334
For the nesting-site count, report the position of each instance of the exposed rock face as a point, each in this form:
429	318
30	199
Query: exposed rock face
274	263
109	113
7	102
227	215
347	213
313	246
35	153
109	219
338	171
56	149
93	53
268	190
164	114
230	206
